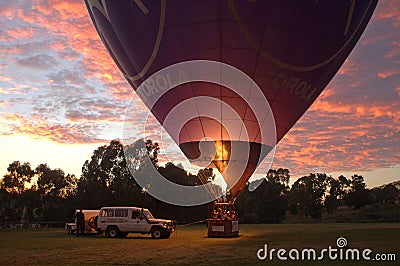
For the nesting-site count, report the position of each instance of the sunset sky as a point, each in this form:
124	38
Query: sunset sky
61	96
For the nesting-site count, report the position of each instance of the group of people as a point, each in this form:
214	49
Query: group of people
224	210
223	214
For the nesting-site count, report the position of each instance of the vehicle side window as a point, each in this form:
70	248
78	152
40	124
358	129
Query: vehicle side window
121	213
107	213
135	214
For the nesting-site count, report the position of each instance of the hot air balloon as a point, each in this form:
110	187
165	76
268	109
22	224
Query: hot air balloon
289	49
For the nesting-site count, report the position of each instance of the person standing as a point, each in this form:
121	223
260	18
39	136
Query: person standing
80	222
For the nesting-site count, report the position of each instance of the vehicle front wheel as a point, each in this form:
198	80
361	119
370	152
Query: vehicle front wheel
156	233
112	232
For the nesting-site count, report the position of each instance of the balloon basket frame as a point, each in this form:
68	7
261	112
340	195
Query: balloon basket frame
223	221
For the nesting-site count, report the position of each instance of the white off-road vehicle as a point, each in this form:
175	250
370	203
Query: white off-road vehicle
120	221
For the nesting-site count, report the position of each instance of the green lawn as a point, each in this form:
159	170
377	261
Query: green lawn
189	245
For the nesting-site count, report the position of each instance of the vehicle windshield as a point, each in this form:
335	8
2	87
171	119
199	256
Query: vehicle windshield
147	214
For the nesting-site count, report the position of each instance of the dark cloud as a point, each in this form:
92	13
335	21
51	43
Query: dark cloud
38	62
68	76
69	54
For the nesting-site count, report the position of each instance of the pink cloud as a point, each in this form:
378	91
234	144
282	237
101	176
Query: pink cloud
389	10
7	10
377	39
23	33
322	106
5	78
336	147
337	134
342	130
395	52
349	67
73	38
18	89
387	74
39	62
4	37
37	127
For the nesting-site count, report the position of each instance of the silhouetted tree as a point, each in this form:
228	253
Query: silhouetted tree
336	192
17	177
272	203
268	203
152	151
54	182
280	175
387	194
391	194
307	195
13	185
56	191
106	178
358	195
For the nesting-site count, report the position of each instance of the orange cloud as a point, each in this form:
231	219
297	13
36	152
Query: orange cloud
387	74
336	133
18	89
342	136
389	10
37	127
7	11
5	78
322	106
349	67
23	33
69	9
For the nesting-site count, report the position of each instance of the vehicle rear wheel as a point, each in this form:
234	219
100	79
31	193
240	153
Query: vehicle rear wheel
156	233
112	231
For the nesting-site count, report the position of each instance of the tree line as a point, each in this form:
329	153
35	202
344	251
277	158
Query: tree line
43	194
309	196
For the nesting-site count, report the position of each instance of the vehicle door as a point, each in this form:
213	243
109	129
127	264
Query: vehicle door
121	218
139	222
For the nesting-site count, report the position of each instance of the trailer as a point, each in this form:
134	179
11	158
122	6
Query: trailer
90	222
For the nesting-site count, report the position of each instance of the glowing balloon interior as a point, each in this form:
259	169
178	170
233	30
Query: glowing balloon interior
291	49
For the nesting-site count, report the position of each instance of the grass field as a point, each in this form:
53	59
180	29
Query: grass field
190	246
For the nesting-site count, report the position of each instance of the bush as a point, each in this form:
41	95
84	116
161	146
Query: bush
250	218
